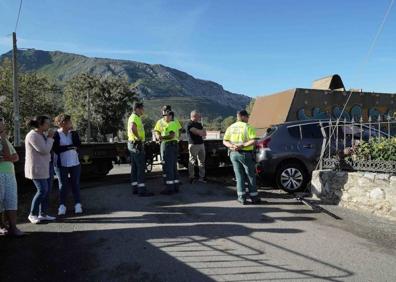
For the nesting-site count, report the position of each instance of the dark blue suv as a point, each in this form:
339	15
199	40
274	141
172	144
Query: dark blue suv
289	152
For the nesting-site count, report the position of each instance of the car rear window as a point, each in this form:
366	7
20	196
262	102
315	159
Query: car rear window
270	131
308	131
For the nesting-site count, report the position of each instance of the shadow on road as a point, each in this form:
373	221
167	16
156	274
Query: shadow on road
184	253
198	235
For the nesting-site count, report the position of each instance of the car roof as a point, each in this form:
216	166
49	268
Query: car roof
313	121
296	122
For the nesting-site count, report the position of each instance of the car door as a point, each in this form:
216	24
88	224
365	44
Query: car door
311	142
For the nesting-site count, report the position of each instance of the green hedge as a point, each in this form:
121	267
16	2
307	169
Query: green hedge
376	149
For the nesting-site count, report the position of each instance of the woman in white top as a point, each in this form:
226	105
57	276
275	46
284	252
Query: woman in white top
8	184
66	162
38	147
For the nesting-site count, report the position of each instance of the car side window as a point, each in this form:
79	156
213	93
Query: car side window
294	131
311	131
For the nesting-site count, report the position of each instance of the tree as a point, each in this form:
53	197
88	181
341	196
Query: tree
37	96
148	126
111	102
227	122
215	124
249	106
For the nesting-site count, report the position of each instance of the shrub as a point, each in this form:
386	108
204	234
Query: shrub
377	149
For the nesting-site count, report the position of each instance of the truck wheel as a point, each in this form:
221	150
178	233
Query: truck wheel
292	177
102	167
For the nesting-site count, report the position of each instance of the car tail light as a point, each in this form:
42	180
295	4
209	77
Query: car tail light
263	143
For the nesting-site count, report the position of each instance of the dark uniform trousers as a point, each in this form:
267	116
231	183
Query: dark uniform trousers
138	165
170	157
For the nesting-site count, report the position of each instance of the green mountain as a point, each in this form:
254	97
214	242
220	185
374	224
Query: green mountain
156	84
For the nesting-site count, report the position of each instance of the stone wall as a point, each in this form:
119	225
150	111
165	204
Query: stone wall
373	192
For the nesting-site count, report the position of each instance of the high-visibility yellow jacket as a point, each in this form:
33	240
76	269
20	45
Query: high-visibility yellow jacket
239	133
134	118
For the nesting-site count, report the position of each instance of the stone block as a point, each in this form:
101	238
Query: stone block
338	194
370	176
324	175
341	174
390	195
316	183
346	197
357	192
353	177
382	176
393	182
377	194
392	213
365	182
383	208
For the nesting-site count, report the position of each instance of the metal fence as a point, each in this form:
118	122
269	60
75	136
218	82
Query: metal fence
342	139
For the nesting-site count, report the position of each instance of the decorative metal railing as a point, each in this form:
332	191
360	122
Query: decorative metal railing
341	141
343	138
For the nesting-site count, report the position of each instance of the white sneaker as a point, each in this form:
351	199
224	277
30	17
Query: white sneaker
78	208
62	210
46	218
33	219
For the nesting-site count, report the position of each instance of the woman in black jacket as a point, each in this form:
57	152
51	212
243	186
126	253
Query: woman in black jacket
66	162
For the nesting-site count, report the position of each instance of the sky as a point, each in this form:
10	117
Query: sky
252	47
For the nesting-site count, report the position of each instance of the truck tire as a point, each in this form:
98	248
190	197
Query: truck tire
291	177
101	167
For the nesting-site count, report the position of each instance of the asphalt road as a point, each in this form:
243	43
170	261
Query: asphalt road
200	234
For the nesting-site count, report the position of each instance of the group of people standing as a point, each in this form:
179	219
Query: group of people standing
167	131
47	151
239	138
50	151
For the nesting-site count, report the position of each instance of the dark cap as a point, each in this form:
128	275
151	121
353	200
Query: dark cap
166	108
243	113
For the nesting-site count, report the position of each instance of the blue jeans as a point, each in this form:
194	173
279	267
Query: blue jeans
51	178
244	165
138	166
64	181
41	199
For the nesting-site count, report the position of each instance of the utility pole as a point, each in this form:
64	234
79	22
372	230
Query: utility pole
17	125
89	116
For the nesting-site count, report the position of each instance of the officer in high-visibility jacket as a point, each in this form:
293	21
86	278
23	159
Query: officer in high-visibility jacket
170	139
240	139
136	138
159	129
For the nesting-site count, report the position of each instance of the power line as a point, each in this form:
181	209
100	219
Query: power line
19	13
359	71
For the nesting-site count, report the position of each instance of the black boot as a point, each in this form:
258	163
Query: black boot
255	200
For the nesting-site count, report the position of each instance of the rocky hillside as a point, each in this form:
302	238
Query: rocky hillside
157	84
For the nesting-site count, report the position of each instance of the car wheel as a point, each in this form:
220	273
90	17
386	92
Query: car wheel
292	177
